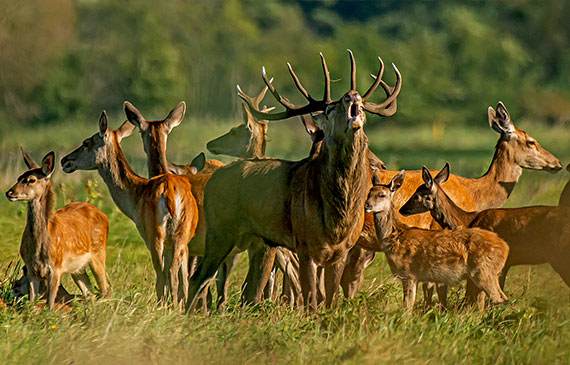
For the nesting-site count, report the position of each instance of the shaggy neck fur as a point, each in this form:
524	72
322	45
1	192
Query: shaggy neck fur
257	142
343	179
40	212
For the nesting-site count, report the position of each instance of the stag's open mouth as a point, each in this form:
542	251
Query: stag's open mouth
354	116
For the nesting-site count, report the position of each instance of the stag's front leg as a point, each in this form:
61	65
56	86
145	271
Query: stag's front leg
409	286
261	259
333	274
308	277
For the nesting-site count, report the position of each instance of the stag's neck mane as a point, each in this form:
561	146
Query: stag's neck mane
448	214
40	213
343	177
501	177
257	143
124	184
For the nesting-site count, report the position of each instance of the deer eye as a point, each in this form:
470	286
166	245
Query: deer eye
329	109
31	180
531	143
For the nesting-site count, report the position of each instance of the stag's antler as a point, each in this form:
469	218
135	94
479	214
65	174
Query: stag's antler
389	106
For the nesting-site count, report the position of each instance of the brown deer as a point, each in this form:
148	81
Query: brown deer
21	288
312	206
564	200
163	207
57	242
535	235
441	256
515	150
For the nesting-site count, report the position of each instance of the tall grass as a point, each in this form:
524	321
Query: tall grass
129	326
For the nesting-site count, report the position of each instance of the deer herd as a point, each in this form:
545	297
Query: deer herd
319	220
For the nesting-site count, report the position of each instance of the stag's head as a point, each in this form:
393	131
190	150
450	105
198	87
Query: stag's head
95	150
526	151
340	118
425	196
33	183
380	196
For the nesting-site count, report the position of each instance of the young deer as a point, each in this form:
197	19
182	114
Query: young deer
21	288
535	235
444	256
58	242
515	150
163	207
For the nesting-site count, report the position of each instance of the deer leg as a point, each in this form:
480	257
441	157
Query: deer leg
428	294
218	247
563	270
289	265
503	276
222	280
261	259
34	286
474	295
321	285
81	279
442	294
333	274
53	286
97	265
353	273
409	286
268	290
307	276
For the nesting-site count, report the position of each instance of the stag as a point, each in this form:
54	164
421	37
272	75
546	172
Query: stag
313	206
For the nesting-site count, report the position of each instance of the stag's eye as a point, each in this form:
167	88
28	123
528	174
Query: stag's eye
531	143
31	180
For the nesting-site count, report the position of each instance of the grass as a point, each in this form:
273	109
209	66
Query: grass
129	326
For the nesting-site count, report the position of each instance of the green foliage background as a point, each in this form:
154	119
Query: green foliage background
65	59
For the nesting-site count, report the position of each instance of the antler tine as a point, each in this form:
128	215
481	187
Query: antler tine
389	106
261	95
298	83
352	71
378	79
327	94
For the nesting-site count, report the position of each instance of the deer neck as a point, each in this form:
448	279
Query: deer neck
343	173
124	185
257	143
447	214
156	159
40	213
499	181
388	227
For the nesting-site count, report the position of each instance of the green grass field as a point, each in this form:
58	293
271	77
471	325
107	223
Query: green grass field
129	326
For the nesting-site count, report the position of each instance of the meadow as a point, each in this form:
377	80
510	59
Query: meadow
129	326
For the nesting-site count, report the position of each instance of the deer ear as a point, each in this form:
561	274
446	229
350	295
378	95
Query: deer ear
426	176
125	130
443	175
175	116
48	164
134	116
397	181
103	124
199	162
310	126
500	120
28	160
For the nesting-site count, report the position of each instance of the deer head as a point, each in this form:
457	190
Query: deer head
525	150
33	183
380	196
425	196
94	151
335	118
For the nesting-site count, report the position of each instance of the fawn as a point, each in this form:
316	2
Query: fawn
421	255
58	242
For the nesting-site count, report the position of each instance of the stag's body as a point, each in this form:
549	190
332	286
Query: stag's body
59	242
421	255
162	208
535	235
313	206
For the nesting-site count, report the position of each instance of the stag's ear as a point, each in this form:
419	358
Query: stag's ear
28	160
500	120
397	181
443	175
310	126
426	176
125	130
199	162
175	116
134	116
376	178
103	124
48	164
